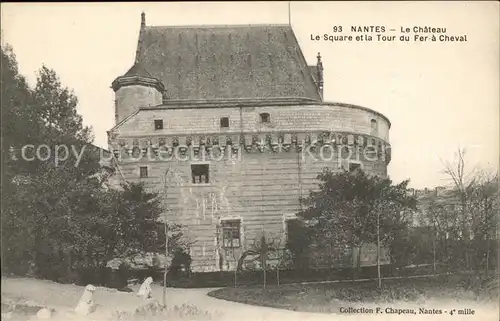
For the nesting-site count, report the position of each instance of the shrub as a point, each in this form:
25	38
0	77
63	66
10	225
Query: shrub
156	312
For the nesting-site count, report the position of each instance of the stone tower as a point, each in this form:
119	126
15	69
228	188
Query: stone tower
229	124
136	88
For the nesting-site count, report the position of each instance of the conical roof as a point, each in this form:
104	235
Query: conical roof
137	74
138	70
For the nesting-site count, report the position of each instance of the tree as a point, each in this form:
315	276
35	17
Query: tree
464	215
239	263
463	185
42	184
56	108
443	219
476	194
181	260
280	254
484	209
19	119
44	115
129	222
353	209
298	243
260	251
55	211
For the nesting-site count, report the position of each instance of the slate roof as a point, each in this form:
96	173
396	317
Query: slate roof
225	62
314	72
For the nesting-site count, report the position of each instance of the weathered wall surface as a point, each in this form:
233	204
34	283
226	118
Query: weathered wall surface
129	98
325	117
259	188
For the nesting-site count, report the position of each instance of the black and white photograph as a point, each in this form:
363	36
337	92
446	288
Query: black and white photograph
222	161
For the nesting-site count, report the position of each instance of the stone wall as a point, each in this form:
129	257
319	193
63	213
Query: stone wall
295	118
129	98
259	187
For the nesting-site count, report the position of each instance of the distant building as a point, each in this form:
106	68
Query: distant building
440	210
230	125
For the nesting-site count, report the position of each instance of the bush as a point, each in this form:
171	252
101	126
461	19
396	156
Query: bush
181	263
155	312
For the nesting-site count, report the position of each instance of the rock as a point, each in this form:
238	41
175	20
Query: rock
43	314
86	304
145	290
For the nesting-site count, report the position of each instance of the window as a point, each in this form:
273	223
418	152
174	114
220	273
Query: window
199	173
224	122
231	233
374	127
143	171
265	118
158	124
353	167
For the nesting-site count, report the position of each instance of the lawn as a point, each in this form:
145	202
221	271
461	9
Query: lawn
329	297
22	298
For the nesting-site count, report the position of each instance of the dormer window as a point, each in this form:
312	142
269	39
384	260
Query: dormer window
158	124
265	118
224	122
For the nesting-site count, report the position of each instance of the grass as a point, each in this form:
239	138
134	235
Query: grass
156	312
149	312
13	311
329	297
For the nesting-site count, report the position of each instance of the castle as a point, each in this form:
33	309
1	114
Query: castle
229	124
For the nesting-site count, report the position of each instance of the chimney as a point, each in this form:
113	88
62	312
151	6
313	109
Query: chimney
319	65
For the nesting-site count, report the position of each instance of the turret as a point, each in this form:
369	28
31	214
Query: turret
319	67
136	88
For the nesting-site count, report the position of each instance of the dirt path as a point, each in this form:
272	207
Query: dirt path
65	297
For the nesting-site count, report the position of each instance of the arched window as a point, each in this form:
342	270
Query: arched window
265	118
374	127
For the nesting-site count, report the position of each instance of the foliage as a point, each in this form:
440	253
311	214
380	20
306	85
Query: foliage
19	120
329	297
129	224
298	244
345	208
56	212
260	250
56	108
38	194
181	262
155	311
464	216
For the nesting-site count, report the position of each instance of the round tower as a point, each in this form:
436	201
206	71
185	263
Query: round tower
136	89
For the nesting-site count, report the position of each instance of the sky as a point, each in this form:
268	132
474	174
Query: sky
439	96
